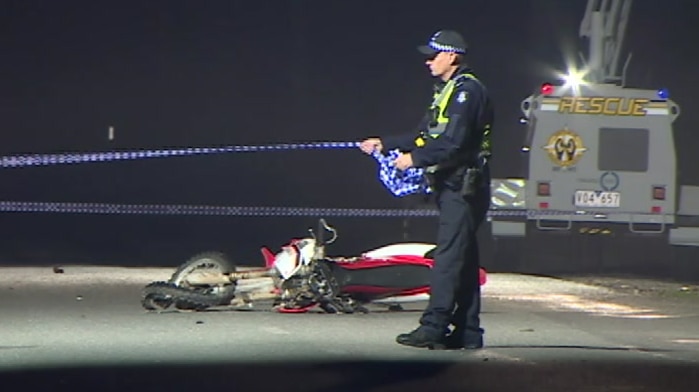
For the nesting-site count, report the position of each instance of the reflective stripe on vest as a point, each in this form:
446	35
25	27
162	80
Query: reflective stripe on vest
439	105
439	122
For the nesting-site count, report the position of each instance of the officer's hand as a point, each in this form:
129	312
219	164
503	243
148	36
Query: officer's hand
370	145
404	161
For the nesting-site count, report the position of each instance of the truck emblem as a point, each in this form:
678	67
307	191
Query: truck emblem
565	148
609	181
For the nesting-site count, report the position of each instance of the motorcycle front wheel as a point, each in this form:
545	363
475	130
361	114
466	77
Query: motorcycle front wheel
160	295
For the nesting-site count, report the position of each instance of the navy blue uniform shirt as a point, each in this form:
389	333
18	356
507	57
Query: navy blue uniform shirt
464	132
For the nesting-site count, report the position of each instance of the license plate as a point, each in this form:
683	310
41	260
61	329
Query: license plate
597	199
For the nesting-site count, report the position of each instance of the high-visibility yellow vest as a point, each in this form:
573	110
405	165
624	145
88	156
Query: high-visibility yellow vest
439	121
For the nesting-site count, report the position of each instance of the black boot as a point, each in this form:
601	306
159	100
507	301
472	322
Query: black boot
457	341
422	337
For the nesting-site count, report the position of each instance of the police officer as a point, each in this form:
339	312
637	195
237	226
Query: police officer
453	146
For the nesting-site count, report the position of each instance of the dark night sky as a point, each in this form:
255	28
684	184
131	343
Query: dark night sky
199	73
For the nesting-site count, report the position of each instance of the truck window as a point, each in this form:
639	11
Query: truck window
623	149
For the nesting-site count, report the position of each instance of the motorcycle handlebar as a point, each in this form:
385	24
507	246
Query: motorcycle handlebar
319	236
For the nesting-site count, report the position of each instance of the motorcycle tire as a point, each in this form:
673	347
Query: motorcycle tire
210	261
160	295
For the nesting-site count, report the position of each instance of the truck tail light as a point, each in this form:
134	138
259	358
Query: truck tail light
546	88
658	192
543	189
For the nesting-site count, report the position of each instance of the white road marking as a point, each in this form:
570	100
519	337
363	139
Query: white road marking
276	330
686	341
577	303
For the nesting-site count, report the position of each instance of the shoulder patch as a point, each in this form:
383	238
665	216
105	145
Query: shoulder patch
462	97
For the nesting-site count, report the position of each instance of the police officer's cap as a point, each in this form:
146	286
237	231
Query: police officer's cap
444	41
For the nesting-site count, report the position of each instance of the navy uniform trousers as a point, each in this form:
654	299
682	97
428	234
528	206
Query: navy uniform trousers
455	296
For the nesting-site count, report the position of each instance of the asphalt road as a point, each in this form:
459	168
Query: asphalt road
84	329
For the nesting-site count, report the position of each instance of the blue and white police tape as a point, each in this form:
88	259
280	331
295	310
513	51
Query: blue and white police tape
254	211
400	182
84	157
184	209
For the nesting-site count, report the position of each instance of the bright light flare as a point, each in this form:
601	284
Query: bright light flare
574	79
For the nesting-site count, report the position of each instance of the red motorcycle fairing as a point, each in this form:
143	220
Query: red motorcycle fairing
392	285
377	278
373	278
268	256
369	262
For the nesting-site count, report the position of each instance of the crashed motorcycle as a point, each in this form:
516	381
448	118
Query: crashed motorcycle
300	277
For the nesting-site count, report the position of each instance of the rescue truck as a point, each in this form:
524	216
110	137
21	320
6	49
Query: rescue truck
599	191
